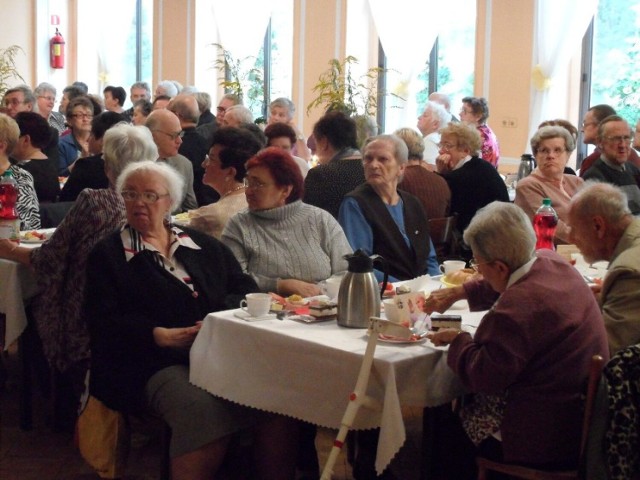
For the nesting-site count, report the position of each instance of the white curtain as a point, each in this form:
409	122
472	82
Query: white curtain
559	29
242	24
407	32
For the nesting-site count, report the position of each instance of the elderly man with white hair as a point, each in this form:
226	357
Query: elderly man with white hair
603	228
433	118
530	355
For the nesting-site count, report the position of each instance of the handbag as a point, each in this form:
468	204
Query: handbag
103	438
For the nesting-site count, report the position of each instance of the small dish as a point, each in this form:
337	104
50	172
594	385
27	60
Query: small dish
33	236
242	315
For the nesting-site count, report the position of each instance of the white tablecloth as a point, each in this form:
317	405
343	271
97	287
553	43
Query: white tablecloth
307	371
17	283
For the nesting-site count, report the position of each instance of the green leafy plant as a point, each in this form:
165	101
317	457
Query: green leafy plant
339	89
8	68
241	77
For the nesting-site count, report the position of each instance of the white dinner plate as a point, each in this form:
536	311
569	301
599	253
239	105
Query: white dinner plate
33	240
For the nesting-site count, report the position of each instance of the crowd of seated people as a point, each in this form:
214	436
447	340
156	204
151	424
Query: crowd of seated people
281	226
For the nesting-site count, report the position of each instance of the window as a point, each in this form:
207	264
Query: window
611	53
263	77
115	43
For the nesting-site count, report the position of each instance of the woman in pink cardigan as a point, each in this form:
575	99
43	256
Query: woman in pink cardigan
552	146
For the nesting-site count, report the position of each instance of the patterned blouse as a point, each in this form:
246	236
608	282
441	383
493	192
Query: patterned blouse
27	206
490	148
60	265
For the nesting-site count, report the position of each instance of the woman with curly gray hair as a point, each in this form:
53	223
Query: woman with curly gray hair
552	147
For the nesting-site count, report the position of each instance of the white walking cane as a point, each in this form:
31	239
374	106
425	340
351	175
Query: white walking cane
359	397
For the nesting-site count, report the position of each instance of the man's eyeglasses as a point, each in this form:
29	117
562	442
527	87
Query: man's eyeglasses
146	197
47	98
254	184
555	151
172	136
83	116
586	124
473	263
619	139
446	146
13	101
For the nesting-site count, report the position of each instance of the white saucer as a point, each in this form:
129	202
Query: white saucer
241	314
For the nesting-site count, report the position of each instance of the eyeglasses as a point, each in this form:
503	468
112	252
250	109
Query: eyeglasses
254	184
172	136
586	124
221	109
555	151
83	116
47	98
619	139
473	263
146	197
464	110
13	101
446	146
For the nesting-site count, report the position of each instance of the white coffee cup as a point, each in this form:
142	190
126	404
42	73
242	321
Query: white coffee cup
256	304
391	310
450	266
331	286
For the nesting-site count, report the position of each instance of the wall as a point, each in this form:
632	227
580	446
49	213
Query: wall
18	29
503	72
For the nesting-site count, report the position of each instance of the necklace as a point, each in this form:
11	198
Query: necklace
233	190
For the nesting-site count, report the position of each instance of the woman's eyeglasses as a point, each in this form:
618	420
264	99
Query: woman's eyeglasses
254	184
146	197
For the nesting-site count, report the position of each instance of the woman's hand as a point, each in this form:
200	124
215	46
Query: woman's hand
298	287
443	163
444	336
176	337
7	247
441	300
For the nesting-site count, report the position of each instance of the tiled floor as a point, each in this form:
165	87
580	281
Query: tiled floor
40	454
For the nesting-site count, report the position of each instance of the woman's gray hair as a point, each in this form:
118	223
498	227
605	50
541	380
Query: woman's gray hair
284	102
173	180
43	88
124	144
241	113
502	231
467	136
552	131
414	142
400	150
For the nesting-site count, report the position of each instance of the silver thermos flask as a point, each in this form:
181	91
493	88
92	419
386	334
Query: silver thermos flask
359	295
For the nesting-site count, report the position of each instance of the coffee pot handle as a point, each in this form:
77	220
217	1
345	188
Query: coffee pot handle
379	259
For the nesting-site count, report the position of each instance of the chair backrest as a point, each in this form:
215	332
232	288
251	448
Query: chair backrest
51	214
442	235
595	373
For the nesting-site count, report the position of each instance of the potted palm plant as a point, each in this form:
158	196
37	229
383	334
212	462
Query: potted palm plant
8	68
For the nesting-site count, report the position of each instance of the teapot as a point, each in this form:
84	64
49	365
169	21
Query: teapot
527	165
359	297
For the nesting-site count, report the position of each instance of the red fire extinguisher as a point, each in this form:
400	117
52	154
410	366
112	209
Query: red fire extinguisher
57	50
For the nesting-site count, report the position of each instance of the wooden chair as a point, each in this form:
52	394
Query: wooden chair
442	234
517	471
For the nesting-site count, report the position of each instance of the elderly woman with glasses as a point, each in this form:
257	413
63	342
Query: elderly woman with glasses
529	357
60	263
475	112
152	284
286	245
76	144
551	146
472	181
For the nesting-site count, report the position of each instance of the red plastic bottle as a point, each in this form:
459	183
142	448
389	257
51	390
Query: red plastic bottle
545	222
9	220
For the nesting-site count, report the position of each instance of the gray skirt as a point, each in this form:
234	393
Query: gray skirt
196	417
